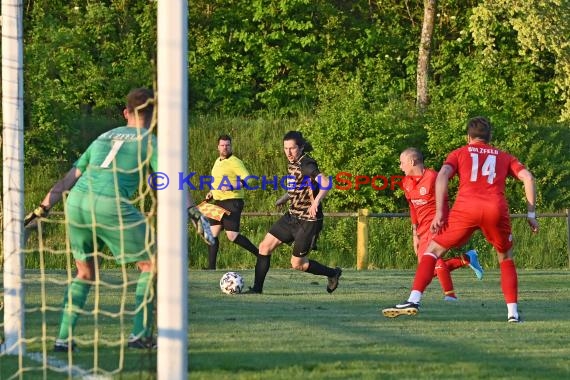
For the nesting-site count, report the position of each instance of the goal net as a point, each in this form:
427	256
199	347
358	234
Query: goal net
38	271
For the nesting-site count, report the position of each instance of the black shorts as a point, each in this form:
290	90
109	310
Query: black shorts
229	222
302	233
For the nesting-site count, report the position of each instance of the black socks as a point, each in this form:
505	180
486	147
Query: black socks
245	243
213	253
261	268
319	269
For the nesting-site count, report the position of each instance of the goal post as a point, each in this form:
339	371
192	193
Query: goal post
13	176
172	245
172	257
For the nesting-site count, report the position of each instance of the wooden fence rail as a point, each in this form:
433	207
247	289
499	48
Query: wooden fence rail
363	217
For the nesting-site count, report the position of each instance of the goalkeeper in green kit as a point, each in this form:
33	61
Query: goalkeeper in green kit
99	212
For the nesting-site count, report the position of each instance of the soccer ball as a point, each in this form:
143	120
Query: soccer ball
231	283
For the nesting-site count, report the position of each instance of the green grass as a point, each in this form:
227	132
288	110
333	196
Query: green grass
297	330
111	357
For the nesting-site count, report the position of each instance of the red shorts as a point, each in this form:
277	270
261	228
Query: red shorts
493	220
425	239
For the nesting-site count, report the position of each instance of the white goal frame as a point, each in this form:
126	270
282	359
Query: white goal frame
172	309
172	241
13	175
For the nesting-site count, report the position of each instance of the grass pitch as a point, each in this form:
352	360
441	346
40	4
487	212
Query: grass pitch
297	330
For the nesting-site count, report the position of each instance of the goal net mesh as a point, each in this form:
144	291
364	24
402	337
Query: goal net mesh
104	323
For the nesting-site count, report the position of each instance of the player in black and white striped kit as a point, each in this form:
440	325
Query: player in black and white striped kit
300	225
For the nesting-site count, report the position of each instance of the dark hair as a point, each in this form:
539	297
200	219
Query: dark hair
479	128
224	138
415	154
141	102
299	140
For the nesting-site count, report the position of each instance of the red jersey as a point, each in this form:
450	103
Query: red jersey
480	202
482	171
420	193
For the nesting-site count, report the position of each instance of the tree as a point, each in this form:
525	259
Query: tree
80	63
425	53
542	28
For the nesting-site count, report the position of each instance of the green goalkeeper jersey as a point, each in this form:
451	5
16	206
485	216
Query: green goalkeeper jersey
115	162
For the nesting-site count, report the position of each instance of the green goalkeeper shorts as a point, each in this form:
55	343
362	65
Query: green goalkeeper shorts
94	221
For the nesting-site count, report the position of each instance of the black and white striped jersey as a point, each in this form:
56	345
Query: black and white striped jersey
303	187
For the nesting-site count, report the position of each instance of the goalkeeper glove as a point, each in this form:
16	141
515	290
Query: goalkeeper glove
39	212
201	224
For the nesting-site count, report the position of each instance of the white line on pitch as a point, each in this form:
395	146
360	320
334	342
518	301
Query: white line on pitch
74	370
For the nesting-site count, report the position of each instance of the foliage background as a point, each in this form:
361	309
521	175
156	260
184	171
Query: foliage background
344	71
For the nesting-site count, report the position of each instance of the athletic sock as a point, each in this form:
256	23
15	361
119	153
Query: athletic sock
261	268
244	242
319	269
213	253
444	277
142	324
509	281
77	292
424	272
457	262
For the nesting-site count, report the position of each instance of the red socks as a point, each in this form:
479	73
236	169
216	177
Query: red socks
443	274
509	281
424	272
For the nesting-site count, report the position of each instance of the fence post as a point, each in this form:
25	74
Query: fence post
568	231
362	239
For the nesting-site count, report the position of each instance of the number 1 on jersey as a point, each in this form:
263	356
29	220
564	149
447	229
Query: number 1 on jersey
117	144
488	168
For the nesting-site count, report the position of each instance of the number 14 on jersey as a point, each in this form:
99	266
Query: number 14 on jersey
487	169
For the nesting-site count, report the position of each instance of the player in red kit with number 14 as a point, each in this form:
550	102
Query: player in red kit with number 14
480	205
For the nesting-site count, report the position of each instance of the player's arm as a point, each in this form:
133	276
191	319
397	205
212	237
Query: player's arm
283	200
414	219
54	195
415	238
530	192
441	189
324	187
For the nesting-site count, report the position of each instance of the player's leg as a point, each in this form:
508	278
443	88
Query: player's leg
77	213
231	224
132	242
305	234
74	301
459	230
468	259
263	262
319	229
444	276
280	232
509	285
441	271
422	278
216	228
141	333
497	231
